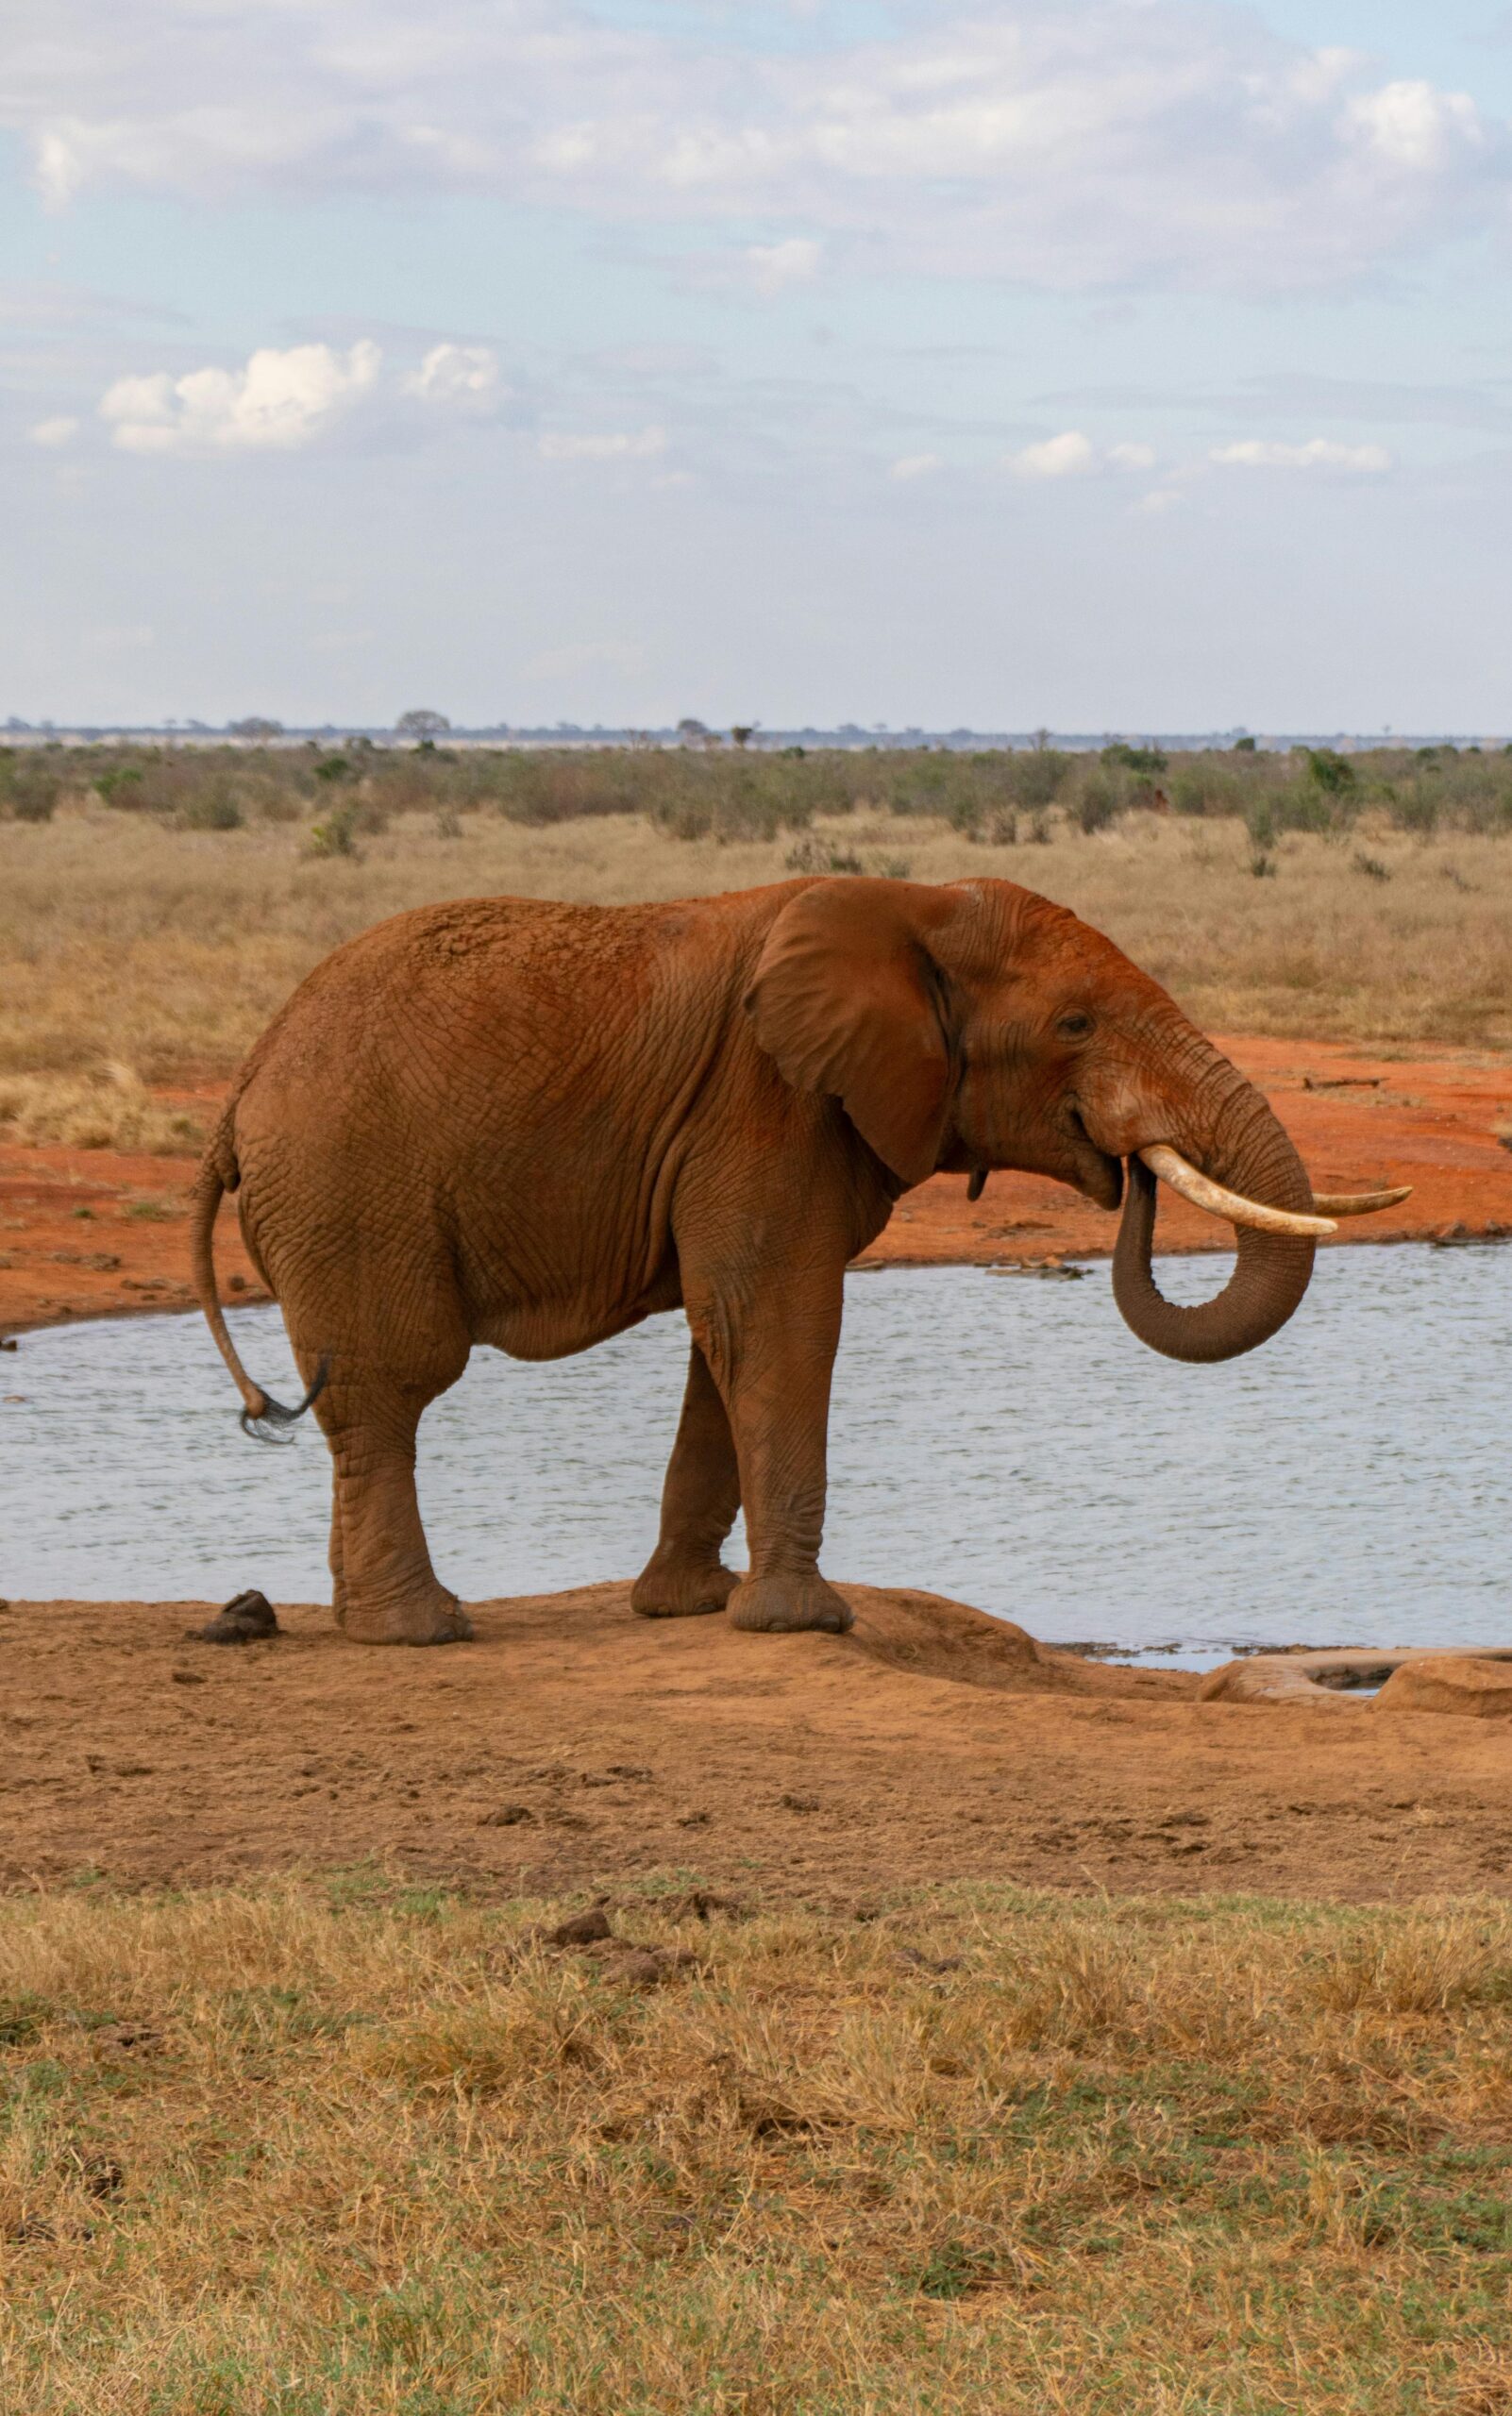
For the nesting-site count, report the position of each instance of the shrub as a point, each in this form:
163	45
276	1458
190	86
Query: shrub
1333	772
211	809
1098	804
337	834
1133	759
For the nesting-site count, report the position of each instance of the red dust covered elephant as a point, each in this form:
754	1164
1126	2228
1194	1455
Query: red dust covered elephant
532	1125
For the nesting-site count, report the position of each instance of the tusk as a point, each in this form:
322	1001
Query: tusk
1202	1193
977	1183
1359	1203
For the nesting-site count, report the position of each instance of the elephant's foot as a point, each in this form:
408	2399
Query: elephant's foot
673	1586
423	1616
779	1605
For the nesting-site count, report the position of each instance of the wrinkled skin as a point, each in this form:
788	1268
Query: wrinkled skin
532	1125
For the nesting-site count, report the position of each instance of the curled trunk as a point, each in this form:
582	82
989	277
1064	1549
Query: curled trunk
1249	1152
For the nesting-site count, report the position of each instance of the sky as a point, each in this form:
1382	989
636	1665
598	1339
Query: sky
1105	365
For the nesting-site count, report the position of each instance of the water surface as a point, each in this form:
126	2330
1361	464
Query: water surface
1004	1439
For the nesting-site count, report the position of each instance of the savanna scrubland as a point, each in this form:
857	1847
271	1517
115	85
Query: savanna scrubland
157	907
950	2051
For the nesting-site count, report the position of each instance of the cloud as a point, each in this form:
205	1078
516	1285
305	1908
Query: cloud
52	432
916	465
1318	453
643	446
774	266
460	377
1071	455
279	402
1172	143
1059	457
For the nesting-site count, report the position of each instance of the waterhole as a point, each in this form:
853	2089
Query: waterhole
1000	1438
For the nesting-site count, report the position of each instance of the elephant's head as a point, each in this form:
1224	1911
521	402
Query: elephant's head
977	1025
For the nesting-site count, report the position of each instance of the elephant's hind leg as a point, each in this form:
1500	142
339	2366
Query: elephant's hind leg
384	1588
684	1575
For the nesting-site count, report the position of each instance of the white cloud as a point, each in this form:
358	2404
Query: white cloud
1172	143
279	402
1413	126
644	445
54	432
1070	456
916	465
772	267
1318	453
463	376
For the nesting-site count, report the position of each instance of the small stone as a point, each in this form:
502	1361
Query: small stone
580	1929
506	1816
186	1677
245	1618
798	1802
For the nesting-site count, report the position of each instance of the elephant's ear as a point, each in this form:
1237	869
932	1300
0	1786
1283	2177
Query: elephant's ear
847	999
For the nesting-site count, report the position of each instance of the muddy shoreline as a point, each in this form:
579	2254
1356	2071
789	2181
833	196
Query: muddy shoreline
90	1233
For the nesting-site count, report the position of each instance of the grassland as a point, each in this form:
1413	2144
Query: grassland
305	2150
154	912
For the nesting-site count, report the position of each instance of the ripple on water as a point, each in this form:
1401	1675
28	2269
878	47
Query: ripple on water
1004	1440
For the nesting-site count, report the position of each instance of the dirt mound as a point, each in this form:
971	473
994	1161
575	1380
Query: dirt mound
1452	1682
931	1637
572	1745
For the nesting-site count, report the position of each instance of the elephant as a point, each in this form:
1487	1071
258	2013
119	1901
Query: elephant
533	1124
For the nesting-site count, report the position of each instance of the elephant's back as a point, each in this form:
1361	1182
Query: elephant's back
452	1015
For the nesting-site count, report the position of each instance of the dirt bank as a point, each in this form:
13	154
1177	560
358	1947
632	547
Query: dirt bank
572	1745
84	1232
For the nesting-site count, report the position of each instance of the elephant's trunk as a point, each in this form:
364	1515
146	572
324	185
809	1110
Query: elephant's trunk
1248	1151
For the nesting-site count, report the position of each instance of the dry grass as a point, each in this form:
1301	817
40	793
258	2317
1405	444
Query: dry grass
126	942
298	2152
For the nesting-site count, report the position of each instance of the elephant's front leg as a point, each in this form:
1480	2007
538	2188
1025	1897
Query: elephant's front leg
684	1575
772	1361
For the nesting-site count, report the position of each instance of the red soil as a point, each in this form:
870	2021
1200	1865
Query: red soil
75	1242
574	1746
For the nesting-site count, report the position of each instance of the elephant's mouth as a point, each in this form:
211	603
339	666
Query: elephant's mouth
1098	1175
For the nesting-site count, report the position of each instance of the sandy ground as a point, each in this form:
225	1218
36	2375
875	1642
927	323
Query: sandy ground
86	1234
574	1746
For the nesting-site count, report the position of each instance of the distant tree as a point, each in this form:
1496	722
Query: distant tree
1245	746
744	731
254	726
690	730
420	722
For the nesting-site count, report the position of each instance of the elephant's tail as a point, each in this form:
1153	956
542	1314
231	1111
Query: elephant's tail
264	1419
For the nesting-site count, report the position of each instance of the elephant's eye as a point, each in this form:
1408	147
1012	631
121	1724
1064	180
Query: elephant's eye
1075	1026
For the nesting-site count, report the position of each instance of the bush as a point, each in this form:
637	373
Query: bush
1133	759
1334	774
211	809
1098	804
